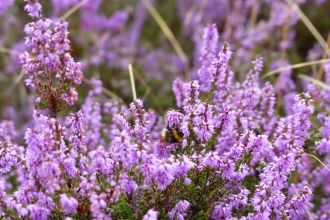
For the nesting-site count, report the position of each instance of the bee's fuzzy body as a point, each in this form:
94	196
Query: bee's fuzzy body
172	135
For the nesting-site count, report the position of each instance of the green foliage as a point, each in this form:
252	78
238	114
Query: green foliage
122	210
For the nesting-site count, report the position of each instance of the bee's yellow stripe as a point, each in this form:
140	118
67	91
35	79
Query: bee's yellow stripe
177	136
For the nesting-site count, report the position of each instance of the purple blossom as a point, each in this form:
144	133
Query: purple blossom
128	185
72	69
258	64
37	212
123	151
33	8
71	97
123	123
92	121
203	121
236	155
101	161
7	131
208	51
174	118
151	215
48	45
220	66
299	202
97	204
182	166
223	210
163	174
69	204
22	210
8	157
179	92
239	200
78	131
179	210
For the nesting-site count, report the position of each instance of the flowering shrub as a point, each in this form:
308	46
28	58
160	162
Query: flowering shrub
223	153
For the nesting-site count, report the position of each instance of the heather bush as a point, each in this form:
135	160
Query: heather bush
229	146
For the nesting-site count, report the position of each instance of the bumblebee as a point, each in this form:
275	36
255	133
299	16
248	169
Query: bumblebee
172	135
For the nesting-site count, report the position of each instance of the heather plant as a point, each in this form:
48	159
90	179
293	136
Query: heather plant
230	154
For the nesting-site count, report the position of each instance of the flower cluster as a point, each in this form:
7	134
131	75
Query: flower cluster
224	152
48	57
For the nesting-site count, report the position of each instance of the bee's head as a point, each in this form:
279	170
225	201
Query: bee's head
165	132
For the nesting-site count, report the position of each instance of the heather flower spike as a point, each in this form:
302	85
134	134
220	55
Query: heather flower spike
48	58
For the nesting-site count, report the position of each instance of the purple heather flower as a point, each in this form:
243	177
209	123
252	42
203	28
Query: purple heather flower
140	133
179	210
101	161
293	130
208	55
45	201
203	122
148	169
221	211
226	121
151	215
98	203
326	126
128	185
92	121
71	97
162	149
182	166
219	69
77	137
123	123
258	64
48	43
211	159
48	173
69	167
153	117
73	69
8	157
174	118
224	88
123	151
179	92
267	105
22	210
240	199
3	195
97	87
136	108
25	193
191	92
162	174
68	204
33	8
7	131
323	146
227	169
299	202
38	212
